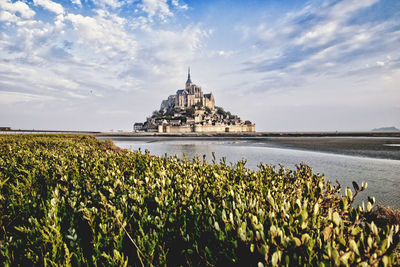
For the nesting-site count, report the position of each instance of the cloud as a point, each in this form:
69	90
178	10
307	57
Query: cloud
342	10
110	3
332	22
77	2
11	98
31	39
322	40
105	33
178	44
170	49
50	6
226	53
8	17
78	57
157	8
178	5
13	12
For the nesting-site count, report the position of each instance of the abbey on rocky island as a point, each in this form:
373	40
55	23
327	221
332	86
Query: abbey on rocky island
190	110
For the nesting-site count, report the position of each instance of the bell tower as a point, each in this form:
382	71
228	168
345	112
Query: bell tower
189	81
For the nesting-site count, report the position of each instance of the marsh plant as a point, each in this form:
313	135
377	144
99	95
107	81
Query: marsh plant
75	200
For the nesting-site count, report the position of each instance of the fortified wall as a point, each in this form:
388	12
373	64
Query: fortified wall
206	128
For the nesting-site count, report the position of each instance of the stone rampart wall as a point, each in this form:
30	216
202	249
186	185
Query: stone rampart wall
224	128
206	128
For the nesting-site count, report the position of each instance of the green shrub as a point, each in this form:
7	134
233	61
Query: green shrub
74	200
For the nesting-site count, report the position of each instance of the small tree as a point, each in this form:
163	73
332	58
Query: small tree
198	105
156	114
220	111
191	111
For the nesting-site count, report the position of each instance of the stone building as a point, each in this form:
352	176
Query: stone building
137	127
190	110
188	97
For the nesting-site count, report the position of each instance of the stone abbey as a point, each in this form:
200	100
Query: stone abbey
190	110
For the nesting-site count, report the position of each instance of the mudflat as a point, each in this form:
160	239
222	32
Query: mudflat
374	147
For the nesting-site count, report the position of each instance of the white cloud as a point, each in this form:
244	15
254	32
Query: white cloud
320	34
110	3
105	33
333	25
50	5
32	37
342	10
11	98
317	35
222	53
77	2
380	63
101	55
158	8
9	11
175	48
176	4
8	17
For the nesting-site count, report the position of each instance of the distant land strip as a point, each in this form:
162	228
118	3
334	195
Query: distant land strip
253	134
48	131
245	134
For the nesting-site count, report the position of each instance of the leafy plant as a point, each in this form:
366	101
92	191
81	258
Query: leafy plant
75	200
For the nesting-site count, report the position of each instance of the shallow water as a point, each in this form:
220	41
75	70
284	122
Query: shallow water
382	175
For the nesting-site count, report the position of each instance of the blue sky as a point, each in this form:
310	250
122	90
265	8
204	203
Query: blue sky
285	65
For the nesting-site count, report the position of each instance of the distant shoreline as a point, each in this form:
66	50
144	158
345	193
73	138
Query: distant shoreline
253	134
256	134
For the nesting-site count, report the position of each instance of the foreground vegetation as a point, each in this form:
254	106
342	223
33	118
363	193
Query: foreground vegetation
76	200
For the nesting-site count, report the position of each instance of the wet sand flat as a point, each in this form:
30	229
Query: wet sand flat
374	147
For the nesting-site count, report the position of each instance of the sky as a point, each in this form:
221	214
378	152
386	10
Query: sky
285	65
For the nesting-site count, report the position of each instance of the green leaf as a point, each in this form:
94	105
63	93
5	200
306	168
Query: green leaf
385	245
345	258
336	218
369	206
349	194
335	255
305	237
327	232
216	226
208	251
297	241
355	231
316	209
356	187
386	261
275	259
3	182
373	228
353	246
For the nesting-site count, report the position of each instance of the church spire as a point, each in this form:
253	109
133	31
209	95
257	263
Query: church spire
189	81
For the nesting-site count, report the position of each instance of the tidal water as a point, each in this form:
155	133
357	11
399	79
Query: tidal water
371	160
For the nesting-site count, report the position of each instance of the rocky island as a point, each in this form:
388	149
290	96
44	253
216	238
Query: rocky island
190	110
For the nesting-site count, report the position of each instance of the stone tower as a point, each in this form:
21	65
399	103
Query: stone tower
189	81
